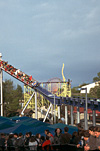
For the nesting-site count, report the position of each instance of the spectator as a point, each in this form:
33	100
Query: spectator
15	139
42	139
46	131
30	133
27	138
10	146
2	142
62	119
33	143
66	137
38	136
6	140
46	144
50	138
97	134
20	142
57	136
84	140
26	141
75	138
92	140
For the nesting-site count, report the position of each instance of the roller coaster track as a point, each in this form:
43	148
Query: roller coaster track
74	101
34	84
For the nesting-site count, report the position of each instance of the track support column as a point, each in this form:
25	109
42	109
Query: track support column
78	115
58	112
66	115
52	113
72	117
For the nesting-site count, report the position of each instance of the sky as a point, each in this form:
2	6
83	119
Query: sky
38	36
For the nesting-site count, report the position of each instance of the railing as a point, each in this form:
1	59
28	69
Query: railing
67	147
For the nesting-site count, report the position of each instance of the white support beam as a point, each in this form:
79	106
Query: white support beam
52	113
36	115
72	117
78	115
47	112
66	115
22	113
59	112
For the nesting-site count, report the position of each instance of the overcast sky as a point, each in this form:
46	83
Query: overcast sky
38	36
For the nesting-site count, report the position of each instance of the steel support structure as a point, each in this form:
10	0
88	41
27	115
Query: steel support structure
72	117
52	113
59	112
22	113
36	113
78	115
66	114
47	112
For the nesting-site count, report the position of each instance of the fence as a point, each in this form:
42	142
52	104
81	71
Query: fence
67	147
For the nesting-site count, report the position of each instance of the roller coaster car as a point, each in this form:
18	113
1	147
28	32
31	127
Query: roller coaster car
35	83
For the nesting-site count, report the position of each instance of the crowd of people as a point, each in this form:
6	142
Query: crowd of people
16	72
82	139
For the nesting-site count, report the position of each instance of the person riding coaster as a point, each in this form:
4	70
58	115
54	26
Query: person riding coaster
35	83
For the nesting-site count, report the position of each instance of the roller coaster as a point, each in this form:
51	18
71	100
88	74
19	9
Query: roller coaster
29	81
53	99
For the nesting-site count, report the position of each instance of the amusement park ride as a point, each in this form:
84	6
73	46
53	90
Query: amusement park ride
54	85
61	96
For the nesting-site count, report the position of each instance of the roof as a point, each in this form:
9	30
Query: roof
25	111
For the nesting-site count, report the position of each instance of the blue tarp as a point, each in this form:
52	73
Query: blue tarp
61	126
16	129
26	124
6	124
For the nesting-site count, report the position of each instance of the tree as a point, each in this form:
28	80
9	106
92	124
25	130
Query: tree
95	92
95	79
11	97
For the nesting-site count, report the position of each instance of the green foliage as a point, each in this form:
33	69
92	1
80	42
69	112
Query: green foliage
11	97
75	90
97	78
95	92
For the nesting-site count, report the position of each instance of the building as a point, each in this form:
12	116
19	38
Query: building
89	86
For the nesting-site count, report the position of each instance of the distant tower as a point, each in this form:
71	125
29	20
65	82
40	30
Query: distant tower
1	88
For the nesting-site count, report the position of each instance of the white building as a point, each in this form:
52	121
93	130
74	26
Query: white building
89	86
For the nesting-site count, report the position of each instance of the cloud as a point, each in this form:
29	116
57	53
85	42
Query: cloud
38	36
